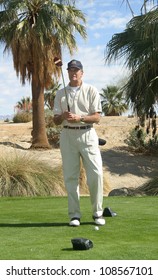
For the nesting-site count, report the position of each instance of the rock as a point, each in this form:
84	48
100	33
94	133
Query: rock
124	192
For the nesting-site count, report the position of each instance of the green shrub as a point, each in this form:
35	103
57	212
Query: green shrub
53	134
22	117
6	120
152	145
136	139
53	131
141	142
150	188
49	121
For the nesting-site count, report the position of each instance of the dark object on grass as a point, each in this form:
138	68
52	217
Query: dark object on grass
102	142
81	243
108	212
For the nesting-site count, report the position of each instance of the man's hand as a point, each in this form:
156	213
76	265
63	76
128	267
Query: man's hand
68	116
71	118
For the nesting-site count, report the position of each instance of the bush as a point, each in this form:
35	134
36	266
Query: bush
53	131
6	120
49	121
140	141
22	175
152	145
22	117
149	188
53	134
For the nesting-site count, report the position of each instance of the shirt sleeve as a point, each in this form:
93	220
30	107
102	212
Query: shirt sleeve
95	100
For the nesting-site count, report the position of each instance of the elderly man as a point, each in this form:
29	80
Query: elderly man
79	140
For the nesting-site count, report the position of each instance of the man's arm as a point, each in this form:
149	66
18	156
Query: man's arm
93	118
73	118
58	119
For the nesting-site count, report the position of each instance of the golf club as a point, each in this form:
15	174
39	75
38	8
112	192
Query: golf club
58	63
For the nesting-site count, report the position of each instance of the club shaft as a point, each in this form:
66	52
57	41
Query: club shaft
68	107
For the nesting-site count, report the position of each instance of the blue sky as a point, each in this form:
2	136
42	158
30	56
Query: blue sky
104	18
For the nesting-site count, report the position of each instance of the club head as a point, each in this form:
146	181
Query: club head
108	212
102	142
58	62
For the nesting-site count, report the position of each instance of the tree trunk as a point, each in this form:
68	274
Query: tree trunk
39	135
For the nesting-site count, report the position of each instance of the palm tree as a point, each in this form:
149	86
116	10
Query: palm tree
35	31
49	95
137	45
113	102
25	104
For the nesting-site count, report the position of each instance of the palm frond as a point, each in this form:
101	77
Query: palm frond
36	31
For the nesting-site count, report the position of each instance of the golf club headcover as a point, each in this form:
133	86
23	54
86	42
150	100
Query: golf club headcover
81	243
108	212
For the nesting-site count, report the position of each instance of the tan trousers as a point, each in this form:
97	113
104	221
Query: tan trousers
75	144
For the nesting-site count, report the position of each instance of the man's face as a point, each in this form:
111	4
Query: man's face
75	74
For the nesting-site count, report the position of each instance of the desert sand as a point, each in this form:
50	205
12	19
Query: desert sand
122	168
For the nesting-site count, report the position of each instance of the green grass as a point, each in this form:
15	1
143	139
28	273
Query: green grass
37	229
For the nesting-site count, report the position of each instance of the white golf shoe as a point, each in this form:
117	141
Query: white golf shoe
75	222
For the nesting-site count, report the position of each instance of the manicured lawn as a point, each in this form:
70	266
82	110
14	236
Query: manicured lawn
37	229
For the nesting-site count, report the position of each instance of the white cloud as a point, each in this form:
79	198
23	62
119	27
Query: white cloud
97	35
10	87
105	14
107	20
119	22
84	5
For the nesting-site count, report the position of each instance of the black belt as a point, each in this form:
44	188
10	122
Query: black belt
78	127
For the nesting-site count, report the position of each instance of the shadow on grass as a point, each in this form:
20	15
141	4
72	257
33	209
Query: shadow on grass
25	225
67	249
